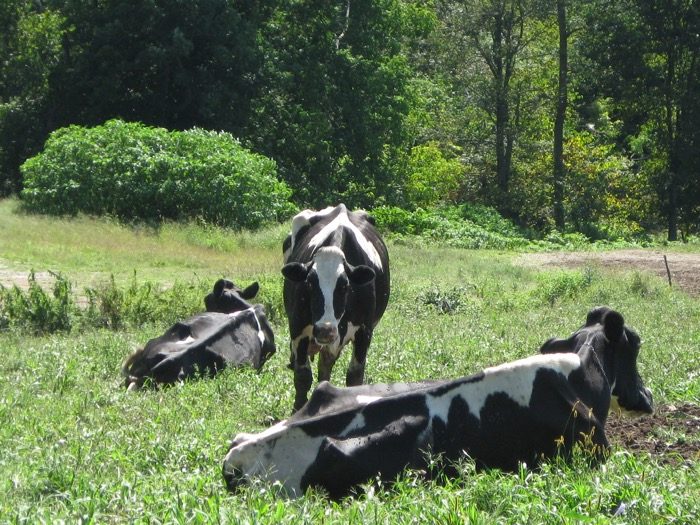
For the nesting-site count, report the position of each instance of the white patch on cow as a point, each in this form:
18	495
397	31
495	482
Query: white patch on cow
300	220
349	334
366	400
515	379
261	334
279	453
357	422
342	220
187	341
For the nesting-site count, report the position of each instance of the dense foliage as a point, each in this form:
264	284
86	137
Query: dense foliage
582	117
132	171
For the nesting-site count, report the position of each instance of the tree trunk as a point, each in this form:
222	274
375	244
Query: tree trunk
502	150
562	100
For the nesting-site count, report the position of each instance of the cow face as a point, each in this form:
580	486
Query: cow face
617	348
327	282
227	298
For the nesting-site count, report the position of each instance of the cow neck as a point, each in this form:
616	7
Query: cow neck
261	335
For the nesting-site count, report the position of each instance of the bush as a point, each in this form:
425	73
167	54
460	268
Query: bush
132	171
466	226
38	311
431	177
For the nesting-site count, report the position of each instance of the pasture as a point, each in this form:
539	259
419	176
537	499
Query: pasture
76	447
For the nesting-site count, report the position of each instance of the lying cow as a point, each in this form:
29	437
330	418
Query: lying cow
522	411
205	343
335	291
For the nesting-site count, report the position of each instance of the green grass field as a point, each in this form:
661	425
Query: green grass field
75	447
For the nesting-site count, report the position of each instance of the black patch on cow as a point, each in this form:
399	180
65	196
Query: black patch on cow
388	443
451	385
451	437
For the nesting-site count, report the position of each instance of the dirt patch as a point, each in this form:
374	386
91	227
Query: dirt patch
10	278
683	267
672	433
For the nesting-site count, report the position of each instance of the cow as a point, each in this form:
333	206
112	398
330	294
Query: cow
336	289
206	343
520	412
619	345
227	298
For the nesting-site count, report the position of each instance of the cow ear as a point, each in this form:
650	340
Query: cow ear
613	325
295	272
596	315
250	291
360	275
221	285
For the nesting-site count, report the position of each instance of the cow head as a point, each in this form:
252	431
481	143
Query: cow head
617	349
228	298
327	280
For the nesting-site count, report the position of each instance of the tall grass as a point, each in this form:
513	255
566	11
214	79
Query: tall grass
77	448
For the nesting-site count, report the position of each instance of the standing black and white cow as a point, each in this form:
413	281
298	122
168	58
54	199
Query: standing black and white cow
522	411
335	291
618	347
232	332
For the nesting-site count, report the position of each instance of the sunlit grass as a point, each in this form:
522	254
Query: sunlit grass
74	446
91	249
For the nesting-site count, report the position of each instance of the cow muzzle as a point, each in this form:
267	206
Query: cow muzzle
325	333
641	404
233	477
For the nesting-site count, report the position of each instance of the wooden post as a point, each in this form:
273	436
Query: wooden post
668	272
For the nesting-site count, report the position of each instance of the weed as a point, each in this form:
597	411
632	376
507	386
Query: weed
36	310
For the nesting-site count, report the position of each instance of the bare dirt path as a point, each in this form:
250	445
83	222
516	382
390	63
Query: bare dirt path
684	267
10	277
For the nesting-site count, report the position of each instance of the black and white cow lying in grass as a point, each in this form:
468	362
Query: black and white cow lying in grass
236	333
522	411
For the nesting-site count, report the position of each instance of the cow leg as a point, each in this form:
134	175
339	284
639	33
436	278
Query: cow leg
356	370
326	360
302	373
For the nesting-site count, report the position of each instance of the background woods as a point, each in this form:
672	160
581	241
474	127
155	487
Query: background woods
579	116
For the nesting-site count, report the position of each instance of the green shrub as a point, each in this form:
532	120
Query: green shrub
431	177
35	310
465	226
132	171
137	304
563	284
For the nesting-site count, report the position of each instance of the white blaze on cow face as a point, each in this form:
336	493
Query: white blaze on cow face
515	379
343	221
329	264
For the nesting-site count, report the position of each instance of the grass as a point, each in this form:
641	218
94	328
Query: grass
75	447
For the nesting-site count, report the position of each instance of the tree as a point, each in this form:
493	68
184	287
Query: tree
30	48
497	31
560	116
334	102
175	64
647	54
